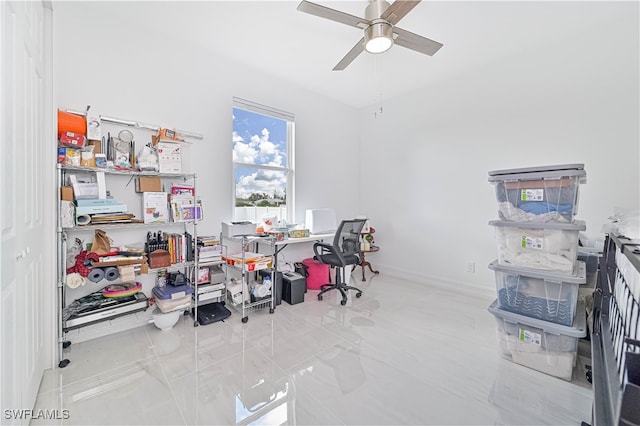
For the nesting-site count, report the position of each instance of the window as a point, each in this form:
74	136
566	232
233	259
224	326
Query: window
262	162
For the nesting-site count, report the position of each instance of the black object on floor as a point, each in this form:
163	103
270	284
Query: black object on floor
293	287
212	312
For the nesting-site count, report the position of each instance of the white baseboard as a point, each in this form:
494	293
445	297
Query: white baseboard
441	282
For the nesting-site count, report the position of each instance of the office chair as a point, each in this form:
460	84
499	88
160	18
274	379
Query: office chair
344	251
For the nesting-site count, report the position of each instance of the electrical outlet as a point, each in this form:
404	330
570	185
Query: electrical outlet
471	266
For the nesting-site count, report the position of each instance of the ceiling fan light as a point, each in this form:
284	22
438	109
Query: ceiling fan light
378	37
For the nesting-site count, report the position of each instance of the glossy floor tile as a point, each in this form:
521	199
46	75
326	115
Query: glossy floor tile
403	353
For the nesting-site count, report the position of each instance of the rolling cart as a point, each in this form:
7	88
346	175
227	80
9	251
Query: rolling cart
244	291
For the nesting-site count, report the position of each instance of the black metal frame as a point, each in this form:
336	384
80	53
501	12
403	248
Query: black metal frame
339	255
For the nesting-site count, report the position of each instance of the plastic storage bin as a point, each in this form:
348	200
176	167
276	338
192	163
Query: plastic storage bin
538	194
540	345
541	295
549	247
591	258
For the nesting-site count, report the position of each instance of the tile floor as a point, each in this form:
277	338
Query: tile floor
404	353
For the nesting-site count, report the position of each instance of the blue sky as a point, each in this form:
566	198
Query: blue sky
262	140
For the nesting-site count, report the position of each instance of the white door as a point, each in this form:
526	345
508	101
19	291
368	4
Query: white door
26	224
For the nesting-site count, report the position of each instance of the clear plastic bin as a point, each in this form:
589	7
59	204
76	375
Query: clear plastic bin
538	194
541	345
540	295
551	247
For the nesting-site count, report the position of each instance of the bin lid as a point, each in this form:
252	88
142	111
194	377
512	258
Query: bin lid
578	277
578	225
578	330
168	291
539	172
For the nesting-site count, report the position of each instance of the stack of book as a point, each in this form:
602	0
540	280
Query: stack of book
209	249
180	247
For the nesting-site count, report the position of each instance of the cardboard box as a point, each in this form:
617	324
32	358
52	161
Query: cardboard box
298	233
148	184
66	193
96	147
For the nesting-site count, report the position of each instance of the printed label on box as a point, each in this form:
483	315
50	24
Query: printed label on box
529	337
532	195
535	243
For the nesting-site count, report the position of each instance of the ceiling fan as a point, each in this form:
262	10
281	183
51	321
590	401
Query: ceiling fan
380	32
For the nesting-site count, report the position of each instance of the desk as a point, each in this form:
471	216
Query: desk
282	244
312	237
364	262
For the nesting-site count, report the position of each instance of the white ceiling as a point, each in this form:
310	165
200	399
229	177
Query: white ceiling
273	37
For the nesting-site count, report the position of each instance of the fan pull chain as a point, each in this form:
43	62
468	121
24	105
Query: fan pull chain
377	71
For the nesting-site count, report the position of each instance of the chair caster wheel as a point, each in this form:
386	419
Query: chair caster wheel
66	344
271	310
319	297
343	302
245	319
196	323
63	363
358	294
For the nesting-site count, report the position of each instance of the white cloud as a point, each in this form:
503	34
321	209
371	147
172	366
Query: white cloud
259	150
262	181
244	153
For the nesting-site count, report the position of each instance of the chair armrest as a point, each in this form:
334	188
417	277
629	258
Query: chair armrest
321	249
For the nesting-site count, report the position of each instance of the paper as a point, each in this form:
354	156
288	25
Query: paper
156	209
102	185
169	157
67	212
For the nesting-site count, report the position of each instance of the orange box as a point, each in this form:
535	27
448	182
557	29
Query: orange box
169	134
74	123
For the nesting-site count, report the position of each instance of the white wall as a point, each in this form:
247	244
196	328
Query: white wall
425	159
124	71
128	72
423	162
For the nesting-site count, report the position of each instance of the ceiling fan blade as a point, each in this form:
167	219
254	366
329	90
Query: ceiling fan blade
349	57
332	14
416	42
399	10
